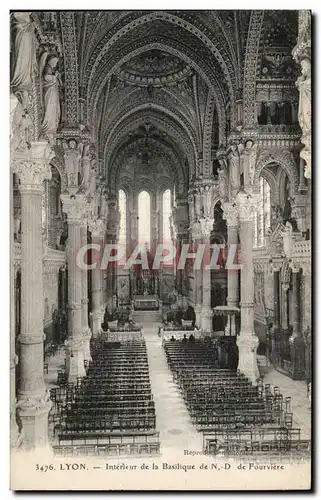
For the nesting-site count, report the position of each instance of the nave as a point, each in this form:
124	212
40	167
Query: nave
148	396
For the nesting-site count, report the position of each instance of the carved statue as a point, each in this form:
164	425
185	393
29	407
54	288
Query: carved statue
72	161
25	63
287	239
248	163
93	181
207	201
191	207
303	84
50	80
234	167
103	205
86	167
20	125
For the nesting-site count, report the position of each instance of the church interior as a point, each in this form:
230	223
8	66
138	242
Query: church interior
131	129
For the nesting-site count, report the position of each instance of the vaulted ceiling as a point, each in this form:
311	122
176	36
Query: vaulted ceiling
160	87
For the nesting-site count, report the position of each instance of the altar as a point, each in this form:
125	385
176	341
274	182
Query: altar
146	303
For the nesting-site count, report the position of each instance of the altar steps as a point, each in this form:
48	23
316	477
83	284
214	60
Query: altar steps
147	316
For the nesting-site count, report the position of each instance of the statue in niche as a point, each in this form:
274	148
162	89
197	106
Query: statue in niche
25	62
234	167
72	160
207	201
50	83
93	181
287	239
248	163
20	125
86	167
222	178
303	84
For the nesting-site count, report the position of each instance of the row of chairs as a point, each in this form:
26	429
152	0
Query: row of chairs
114	398
234	416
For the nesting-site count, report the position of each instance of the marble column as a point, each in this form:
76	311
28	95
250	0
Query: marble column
297	346
84	298
14	431
97	228
206	310
247	340
276	297
34	403
76	208
233	292
285	306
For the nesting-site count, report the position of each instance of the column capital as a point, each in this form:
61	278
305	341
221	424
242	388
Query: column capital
97	227
295	266
76	207
32	165
201	228
276	264
247	205
230	214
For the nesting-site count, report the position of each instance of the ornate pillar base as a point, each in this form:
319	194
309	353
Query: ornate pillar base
96	321
206	319
75	362
33	412
198	316
247	345
86	342
297	349
15	436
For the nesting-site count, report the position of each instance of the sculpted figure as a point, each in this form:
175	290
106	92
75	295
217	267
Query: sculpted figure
303	84
234	170
248	163
103	205
222	177
86	167
20	125
50	83
72	161
25	63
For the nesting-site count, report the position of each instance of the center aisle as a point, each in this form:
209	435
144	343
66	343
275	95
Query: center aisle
172	419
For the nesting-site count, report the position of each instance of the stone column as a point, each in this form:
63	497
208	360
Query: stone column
285	307
76	208
206	310
233	292
33	399
14	431
247	340
296	340
84	298
97	228
276	266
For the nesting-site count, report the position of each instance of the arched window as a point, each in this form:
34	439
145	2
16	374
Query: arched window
167	212
122	204
144	219
262	218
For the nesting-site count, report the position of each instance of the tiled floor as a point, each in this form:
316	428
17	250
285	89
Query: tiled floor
172	418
